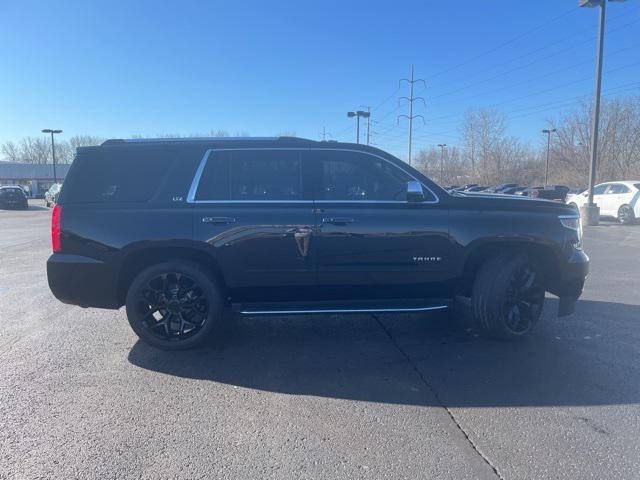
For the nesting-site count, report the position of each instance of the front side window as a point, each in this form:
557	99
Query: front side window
599	189
353	176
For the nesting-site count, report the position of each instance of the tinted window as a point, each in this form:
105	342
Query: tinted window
357	176
599	189
116	175
11	192
214	183
618	188
265	175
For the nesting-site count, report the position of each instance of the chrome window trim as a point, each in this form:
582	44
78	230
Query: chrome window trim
191	196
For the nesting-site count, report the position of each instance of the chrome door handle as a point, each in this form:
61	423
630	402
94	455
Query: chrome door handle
218	220
338	220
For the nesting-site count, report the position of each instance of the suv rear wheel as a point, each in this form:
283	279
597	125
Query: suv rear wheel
174	305
508	296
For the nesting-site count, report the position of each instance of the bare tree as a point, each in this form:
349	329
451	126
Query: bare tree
619	143
11	151
35	150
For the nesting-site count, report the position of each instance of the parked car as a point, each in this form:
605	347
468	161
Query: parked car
13	196
51	195
550	192
511	190
177	230
499	188
466	187
476	188
620	200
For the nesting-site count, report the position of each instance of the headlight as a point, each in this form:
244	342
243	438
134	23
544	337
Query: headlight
572	222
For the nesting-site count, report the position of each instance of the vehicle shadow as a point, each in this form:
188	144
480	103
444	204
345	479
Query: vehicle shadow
587	359
38	207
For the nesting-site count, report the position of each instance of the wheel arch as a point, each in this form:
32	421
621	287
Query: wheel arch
138	259
544	256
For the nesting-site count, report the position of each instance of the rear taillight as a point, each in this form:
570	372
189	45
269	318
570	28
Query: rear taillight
56	242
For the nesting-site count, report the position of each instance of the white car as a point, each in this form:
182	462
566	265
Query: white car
620	200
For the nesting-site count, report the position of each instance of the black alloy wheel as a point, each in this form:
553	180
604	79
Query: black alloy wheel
508	296
174	305
524	300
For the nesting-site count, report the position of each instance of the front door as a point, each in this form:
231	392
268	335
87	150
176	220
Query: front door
370	243
251	213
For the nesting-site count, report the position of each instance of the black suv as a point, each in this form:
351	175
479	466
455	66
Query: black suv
178	230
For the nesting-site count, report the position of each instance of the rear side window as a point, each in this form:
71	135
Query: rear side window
267	175
618	188
251	175
116	175
214	182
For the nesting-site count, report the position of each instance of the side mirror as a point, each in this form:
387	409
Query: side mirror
414	191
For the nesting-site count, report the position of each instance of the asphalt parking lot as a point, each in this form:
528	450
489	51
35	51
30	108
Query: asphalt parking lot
385	396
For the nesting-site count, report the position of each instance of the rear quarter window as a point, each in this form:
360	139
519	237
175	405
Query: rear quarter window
117	175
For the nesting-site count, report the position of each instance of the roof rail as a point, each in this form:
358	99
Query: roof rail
115	141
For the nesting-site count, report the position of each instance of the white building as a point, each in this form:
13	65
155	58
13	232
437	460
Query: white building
37	178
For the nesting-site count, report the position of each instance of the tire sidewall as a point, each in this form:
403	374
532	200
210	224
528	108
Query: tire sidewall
626	220
210	290
490	290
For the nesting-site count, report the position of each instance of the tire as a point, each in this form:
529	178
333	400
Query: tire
508	296
626	215
174	305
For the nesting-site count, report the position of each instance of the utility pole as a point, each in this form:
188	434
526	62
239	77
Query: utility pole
591	212
358	114
442	147
53	151
546	168
410	99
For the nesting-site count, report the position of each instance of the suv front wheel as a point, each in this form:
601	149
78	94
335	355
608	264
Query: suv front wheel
508	296
174	305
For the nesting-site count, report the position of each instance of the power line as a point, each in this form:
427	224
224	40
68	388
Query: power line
550	45
534	79
540	92
504	44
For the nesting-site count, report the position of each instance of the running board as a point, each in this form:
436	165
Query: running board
296	308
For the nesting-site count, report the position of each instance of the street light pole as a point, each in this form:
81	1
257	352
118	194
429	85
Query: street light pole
358	114
546	168
442	147
591	212
53	151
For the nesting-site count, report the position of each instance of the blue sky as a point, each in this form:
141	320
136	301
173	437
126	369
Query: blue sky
117	68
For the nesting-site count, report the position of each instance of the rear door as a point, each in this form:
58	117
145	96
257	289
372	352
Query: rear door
254	217
370	242
615	196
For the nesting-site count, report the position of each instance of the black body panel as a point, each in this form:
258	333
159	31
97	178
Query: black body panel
353	240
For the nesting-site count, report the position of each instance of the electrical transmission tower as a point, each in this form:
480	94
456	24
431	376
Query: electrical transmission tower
325	134
410	99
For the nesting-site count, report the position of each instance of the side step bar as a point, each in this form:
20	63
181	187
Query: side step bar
326	307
